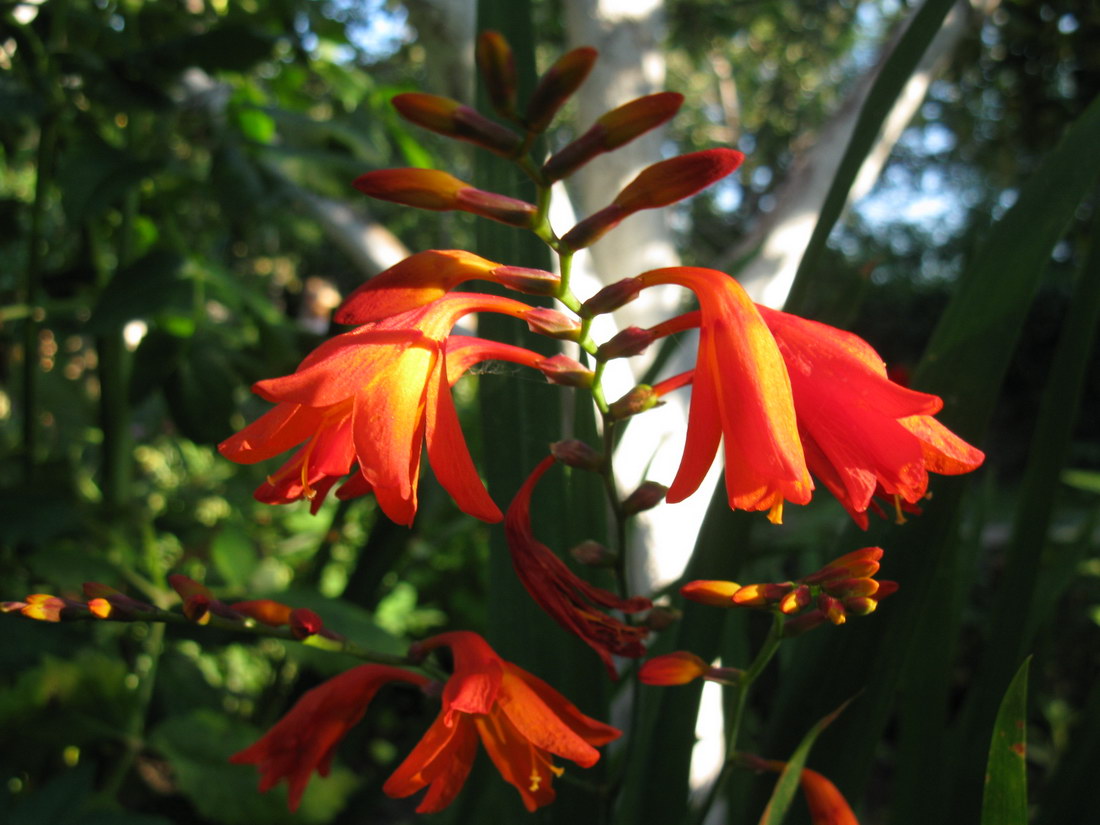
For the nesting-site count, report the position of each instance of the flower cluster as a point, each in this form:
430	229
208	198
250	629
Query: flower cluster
520	721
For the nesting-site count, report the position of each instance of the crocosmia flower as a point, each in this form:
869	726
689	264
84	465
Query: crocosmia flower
521	721
863	434
568	599
741	397
374	396
305	739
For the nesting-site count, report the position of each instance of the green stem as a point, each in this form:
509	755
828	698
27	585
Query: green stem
733	726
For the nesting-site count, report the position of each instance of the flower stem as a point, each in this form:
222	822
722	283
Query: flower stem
740	696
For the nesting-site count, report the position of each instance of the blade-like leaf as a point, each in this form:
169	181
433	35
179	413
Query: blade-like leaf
787	785
1005	798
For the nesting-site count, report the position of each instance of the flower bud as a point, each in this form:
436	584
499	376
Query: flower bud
48	608
551	323
557	86
677	178
648	495
497	66
638	400
304	623
713	593
452	119
611	297
803	622
441	192
496	207
593	554
594	227
795	601
860	605
525	280
625	344
265	611
575	453
113	604
677	668
851	588
565	371
612	130
759	595
832	608
662	617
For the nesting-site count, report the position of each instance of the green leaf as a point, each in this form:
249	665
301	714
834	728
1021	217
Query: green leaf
94	176
787	785
1005	798
1086	480
200	391
234	556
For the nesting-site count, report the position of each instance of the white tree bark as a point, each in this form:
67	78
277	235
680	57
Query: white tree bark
781	237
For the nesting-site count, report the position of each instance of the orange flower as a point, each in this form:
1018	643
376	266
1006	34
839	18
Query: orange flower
306	738
741	396
862	432
374	396
521	721
567	599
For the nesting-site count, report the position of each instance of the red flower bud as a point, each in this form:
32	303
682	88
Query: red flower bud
626	344
528	281
452	119
552	323
611	297
648	495
440	192
677	668
713	593
638	400
575	453
564	371
612	130
497	65
557	86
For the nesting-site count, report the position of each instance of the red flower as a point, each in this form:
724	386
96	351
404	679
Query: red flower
863	433
569	600
374	396
521	721
741	396
305	739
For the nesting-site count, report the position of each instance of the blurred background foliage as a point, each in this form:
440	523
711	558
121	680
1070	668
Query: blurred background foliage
170	231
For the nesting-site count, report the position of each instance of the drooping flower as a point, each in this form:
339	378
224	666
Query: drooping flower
374	396
863	435
741	397
305	739
521	721
570	601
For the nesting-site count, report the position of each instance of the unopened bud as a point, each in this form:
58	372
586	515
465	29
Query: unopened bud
638	400
710	592
851	588
611	297
832	608
677	178
441	192
551	323
593	554
527	281
497	65
860	605
45	607
575	453
662	617
795	601
626	344
648	495
612	130
759	595
496	207
565	371
452	119
557	86
594	227
677	668
304	623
